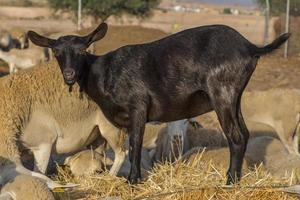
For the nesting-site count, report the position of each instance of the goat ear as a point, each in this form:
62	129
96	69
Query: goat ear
40	40
97	34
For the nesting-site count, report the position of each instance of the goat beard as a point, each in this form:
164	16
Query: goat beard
70	88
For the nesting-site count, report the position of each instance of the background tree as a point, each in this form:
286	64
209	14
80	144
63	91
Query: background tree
105	8
279	6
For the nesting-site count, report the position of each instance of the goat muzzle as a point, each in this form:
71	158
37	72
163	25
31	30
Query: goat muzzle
69	76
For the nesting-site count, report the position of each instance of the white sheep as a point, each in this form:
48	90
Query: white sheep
272	154
87	162
212	144
14	38
20	37
38	111
198	137
146	161
217	156
26	187
278	108
171	141
166	141
202	137
19	53
6	42
23	58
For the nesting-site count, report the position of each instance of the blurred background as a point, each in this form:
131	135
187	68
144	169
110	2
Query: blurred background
136	21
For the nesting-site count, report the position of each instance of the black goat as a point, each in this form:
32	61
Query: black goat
181	76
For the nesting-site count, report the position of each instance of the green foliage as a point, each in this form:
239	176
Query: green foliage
105	8
226	11
279	6
141	8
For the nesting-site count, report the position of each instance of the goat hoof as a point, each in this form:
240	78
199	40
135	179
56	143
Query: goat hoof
230	181
133	180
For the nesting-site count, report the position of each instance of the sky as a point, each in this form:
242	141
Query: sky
227	2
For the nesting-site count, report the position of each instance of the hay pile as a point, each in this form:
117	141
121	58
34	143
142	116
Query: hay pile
194	180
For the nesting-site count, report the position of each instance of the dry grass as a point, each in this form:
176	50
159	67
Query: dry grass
191	180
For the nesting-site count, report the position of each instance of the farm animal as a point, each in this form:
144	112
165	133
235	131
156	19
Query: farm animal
91	48
278	108
168	141
146	162
205	137
151	133
14	38
212	138
214	155
273	155
172	141
38	112
26	187
181	76
7	42
23	58
87	162
274	112
259	129
20	37
211	142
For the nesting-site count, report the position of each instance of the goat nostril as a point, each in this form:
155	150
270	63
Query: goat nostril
69	73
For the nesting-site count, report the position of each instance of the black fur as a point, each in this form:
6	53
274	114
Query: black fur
180	76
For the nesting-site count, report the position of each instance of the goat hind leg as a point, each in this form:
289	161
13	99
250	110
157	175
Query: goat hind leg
229	113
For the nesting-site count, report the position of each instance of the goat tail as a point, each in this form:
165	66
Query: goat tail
260	51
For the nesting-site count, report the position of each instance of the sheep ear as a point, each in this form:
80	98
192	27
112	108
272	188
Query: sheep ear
67	161
40	40
93	154
97	34
6	196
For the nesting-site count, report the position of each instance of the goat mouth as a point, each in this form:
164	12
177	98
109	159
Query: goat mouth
70	82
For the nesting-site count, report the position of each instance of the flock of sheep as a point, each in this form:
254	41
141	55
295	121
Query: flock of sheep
40	117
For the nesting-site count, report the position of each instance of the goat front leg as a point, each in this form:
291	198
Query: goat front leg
237	136
136	133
